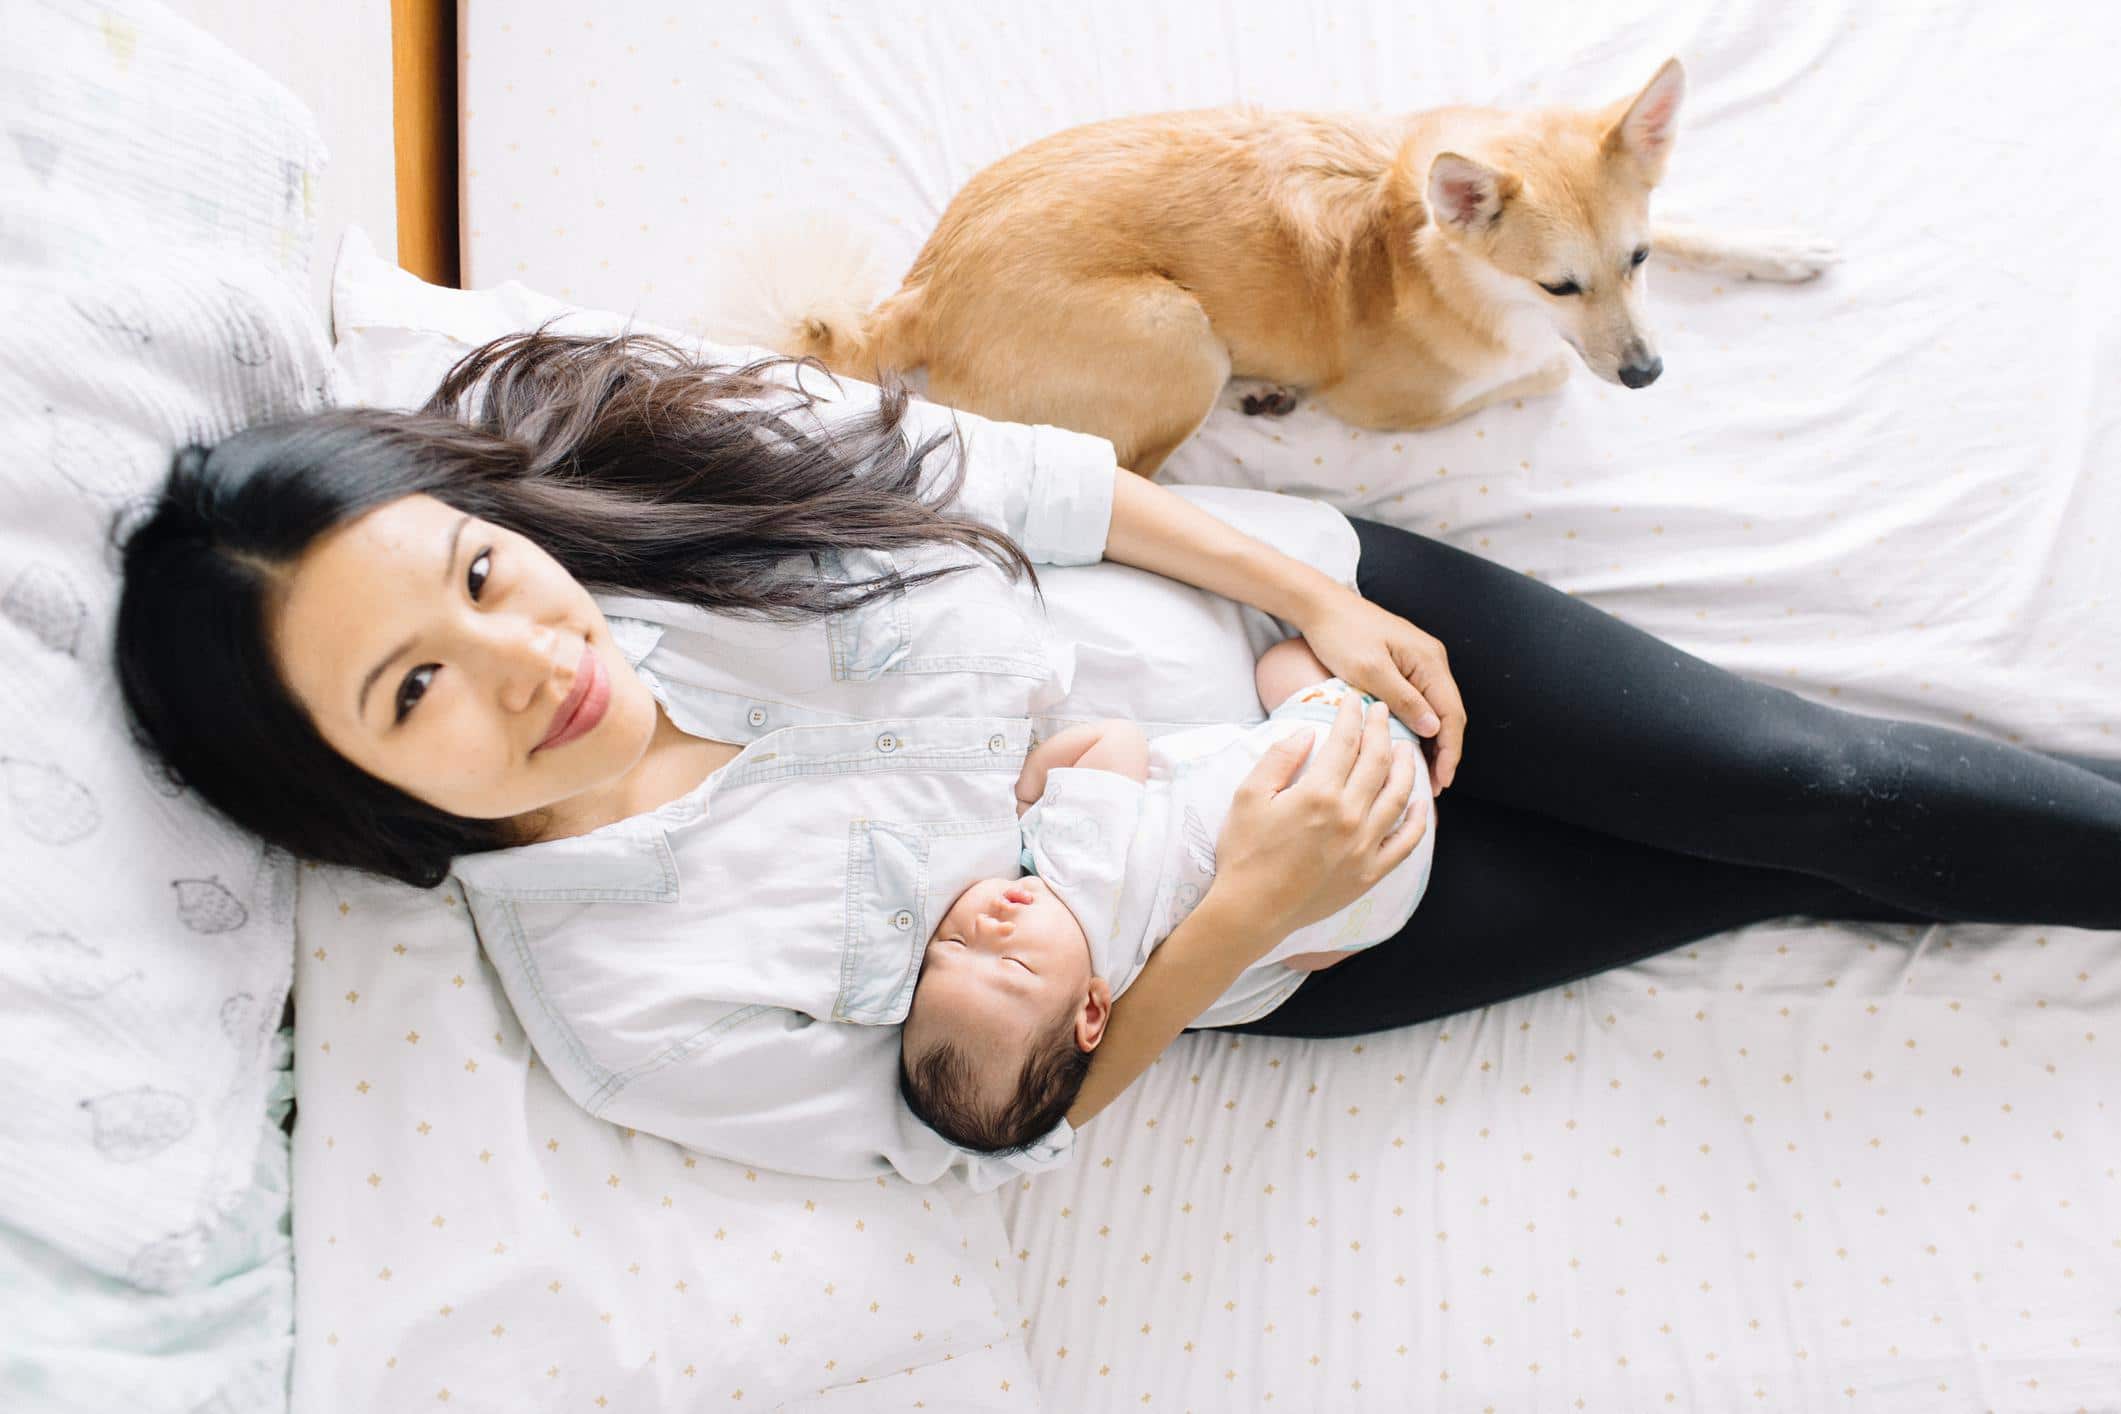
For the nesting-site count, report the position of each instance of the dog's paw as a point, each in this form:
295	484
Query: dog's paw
1785	257
1549	376
1269	402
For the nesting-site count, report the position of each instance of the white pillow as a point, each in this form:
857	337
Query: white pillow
155	227
130	130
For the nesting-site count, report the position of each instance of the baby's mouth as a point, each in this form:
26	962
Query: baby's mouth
1017	894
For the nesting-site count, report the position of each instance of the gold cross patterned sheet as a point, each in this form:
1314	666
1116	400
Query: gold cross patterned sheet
1805	1166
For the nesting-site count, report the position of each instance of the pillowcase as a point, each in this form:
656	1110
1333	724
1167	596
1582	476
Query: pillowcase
130	130
155	226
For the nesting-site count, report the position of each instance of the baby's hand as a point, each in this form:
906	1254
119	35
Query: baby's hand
1313	961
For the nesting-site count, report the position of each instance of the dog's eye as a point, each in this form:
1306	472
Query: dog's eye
1566	287
1641	255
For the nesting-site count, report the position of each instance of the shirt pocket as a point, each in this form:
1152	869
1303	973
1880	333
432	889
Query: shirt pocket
901	877
969	621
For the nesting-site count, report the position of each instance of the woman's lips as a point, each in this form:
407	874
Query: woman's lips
584	706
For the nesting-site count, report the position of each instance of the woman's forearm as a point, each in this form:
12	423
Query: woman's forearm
1372	649
1153	529
1182	979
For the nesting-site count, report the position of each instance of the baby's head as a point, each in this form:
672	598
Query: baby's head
1004	1017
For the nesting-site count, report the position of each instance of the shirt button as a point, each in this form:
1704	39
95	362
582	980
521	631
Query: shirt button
887	742
902	920
997	742
758	716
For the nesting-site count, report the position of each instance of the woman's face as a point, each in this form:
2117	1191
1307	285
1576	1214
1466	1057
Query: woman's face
458	662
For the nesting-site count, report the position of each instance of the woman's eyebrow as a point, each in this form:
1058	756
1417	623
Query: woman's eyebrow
449	561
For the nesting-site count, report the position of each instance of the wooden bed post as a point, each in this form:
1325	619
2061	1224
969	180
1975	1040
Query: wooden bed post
423	43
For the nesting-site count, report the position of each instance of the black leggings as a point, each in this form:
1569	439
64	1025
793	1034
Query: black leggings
1618	798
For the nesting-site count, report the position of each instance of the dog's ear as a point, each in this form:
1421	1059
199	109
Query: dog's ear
1643	132
1466	195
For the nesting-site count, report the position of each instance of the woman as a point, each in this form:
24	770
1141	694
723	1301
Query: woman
796	708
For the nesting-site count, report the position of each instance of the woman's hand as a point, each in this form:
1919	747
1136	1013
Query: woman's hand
1381	653
1297	848
1368	647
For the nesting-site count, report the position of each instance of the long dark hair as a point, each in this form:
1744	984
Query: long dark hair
638	468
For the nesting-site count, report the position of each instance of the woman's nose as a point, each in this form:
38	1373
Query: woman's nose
523	660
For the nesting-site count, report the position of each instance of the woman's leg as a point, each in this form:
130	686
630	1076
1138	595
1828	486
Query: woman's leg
1575	715
1517	903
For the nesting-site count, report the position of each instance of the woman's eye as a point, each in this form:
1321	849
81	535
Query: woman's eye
481	566
414	688
1566	287
1642	255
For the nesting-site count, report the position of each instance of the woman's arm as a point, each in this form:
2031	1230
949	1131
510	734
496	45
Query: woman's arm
1289	854
1375	650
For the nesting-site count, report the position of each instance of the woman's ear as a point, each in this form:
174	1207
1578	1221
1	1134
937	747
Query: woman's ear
1091	1017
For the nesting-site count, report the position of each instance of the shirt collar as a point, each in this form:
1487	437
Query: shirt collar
629	861
635	636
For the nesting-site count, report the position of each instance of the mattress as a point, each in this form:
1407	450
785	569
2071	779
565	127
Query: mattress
1804	1166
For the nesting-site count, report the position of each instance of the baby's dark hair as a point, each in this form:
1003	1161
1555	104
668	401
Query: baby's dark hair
941	1086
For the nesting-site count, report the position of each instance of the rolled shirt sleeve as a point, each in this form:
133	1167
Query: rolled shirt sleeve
1046	488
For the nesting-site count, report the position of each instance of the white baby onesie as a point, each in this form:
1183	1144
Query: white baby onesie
1131	860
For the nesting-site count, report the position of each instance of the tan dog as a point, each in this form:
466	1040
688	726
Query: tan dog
1407	272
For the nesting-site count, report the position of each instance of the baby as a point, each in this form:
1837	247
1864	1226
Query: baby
1119	845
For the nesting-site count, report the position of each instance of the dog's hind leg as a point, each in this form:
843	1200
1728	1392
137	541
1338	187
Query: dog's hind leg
1133	361
1786	257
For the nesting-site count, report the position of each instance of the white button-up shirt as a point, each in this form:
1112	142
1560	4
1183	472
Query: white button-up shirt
729	970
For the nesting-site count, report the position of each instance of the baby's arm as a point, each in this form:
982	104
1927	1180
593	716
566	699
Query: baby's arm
1112	745
1285	670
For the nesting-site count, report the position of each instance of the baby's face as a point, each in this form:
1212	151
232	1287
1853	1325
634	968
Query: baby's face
1007	961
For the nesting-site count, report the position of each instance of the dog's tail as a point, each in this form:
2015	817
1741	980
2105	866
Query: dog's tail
806	287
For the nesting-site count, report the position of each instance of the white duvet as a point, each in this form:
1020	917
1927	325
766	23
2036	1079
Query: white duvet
1803	1167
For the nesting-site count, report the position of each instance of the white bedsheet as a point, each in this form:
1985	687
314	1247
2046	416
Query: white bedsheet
1800	1168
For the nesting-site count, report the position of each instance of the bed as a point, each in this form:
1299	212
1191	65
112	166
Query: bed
1805	1166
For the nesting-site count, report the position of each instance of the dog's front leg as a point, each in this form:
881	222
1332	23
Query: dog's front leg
1783	256
1545	379
1398	410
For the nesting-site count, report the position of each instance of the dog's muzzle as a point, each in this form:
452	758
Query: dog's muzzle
1641	375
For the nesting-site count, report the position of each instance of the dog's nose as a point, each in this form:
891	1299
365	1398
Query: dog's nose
1641	375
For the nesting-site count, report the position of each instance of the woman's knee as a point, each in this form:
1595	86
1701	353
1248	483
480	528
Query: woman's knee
1833	768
